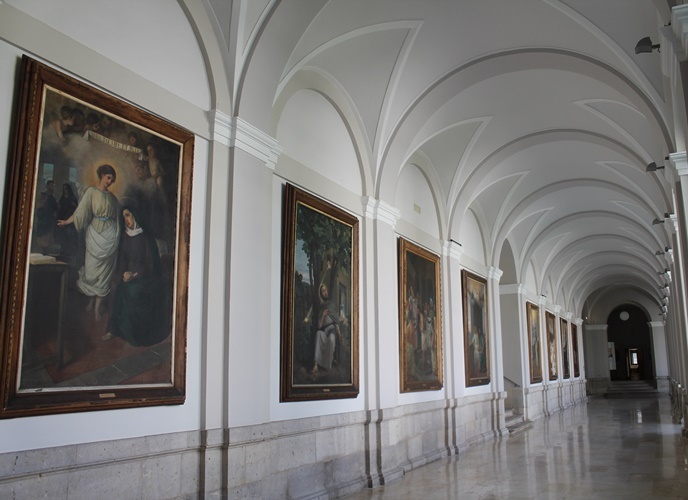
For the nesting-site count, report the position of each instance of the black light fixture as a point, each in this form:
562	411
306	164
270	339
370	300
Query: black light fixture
666	271
645	46
652	167
660	221
664	287
659	252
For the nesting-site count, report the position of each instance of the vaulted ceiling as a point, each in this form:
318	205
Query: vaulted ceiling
534	116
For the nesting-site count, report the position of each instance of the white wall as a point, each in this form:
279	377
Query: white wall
153	39
470	238
415	200
45	431
512	319
596	360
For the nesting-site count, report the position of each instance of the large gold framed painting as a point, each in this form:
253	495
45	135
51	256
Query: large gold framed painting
565	349
319	319
420	318
552	352
476	334
574	350
94	252
534	342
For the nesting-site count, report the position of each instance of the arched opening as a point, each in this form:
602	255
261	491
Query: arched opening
512	318
630	344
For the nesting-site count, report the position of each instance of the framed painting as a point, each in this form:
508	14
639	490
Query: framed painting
420	318
565	349
552	353
574	350
476	334
534	342
95	252
319	319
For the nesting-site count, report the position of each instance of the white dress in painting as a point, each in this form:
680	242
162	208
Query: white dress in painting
97	216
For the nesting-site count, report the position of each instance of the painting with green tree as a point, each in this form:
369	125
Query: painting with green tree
320	300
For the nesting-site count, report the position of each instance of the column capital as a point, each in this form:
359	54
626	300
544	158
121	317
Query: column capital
679	161
452	249
221	124
557	310
381	211
494	274
655	324
679	27
542	300
669	254
236	132
673	228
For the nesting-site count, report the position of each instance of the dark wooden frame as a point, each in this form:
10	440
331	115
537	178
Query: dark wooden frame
305	212
565	347
534	334
39	91
574	350
471	283
420	298
552	349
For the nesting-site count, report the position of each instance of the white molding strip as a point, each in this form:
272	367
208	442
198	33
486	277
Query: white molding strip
596	327
512	289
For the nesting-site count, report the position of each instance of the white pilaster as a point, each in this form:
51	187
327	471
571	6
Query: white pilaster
497	385
453	313
659	351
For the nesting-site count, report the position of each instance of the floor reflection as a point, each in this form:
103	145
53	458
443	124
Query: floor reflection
610	448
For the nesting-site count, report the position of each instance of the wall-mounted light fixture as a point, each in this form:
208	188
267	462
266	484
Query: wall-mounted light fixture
666	271
653	167
660	221
645	46
659	252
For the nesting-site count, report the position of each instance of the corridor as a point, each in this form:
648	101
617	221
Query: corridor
608	449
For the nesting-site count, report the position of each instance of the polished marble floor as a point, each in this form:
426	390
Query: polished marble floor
624	449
